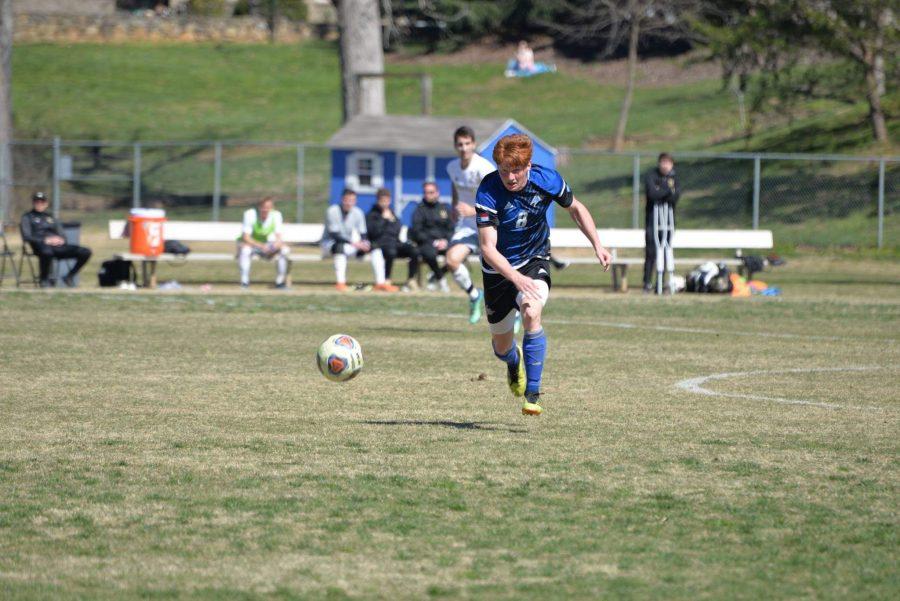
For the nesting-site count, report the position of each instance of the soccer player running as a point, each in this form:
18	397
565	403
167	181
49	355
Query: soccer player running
511	207
466	173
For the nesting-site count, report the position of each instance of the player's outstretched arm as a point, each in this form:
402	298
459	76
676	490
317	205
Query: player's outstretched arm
585	222
462	209
487	239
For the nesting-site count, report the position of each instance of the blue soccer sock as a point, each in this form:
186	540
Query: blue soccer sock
510	357
535	348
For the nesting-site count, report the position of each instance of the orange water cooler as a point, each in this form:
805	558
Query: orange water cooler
146	231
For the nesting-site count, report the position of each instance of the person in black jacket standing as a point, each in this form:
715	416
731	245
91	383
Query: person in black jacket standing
47	239
432	228
661	187
384	234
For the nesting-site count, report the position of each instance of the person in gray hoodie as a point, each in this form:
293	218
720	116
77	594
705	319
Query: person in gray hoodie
345	235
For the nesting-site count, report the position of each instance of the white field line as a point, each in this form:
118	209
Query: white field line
696	385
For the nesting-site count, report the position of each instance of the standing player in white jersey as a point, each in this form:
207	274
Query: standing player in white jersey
466	173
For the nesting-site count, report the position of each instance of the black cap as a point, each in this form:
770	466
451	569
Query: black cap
39	196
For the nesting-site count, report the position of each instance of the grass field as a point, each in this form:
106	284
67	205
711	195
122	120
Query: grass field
183	445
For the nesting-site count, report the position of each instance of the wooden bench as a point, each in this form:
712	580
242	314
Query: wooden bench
561	240
295	234
736	241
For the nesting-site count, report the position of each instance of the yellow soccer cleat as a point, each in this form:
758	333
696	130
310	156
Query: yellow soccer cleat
515	375
532	405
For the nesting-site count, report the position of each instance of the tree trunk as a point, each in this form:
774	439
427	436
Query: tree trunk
738	88
272	19
873	62
633	36
874	91
361	52
6	129
389	31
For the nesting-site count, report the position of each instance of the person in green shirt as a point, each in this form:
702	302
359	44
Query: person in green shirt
261	237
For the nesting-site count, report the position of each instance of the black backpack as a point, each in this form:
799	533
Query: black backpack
114	271
175	247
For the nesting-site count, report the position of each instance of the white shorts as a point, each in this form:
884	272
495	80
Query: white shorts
258	252
467	236
331	248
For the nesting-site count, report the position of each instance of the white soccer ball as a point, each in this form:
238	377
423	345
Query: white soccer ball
340	358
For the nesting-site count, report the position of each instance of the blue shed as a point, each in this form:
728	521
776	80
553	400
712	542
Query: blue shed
401	152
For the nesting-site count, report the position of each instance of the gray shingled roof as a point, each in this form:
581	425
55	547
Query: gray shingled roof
409	133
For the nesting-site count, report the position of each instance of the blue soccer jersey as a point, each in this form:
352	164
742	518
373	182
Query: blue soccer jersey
521	217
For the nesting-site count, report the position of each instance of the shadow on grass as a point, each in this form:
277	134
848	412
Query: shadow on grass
826	136
410	330
445	424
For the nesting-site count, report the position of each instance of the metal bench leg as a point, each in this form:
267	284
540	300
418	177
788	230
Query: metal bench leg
11	258
620	278
25	258
22	258
148	274
16	272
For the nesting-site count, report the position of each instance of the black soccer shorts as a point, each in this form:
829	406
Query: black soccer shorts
500	294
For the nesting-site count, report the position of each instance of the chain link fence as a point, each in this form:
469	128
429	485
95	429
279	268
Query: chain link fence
807	200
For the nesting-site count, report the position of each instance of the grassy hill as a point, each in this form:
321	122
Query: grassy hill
269	92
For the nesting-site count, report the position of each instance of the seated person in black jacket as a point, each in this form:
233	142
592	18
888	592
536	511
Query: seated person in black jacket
46	238
432	228
384	234
661	187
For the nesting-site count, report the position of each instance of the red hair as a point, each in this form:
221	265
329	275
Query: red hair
513	151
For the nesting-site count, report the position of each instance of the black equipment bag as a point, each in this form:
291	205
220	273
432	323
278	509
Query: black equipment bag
709	278
114	271
175	247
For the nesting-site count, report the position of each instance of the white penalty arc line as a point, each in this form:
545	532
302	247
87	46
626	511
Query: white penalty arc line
696	385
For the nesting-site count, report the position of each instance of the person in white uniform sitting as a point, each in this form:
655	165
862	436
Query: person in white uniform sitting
346	235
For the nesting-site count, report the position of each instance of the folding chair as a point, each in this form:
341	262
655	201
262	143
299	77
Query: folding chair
28	257
7	255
